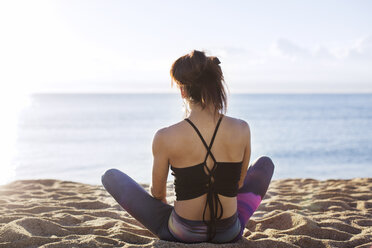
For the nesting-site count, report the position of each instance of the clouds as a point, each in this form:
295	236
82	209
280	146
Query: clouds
63	46
360	48
287	66
287	49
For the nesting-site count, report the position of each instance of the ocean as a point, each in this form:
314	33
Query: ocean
78	136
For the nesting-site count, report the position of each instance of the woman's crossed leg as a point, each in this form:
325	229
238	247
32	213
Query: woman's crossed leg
154	214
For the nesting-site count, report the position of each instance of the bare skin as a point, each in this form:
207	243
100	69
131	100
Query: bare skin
179	145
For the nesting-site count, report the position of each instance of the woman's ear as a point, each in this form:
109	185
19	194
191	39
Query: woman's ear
183	93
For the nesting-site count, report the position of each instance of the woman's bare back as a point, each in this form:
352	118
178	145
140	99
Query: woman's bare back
185	149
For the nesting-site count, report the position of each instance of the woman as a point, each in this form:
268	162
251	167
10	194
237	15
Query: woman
208	154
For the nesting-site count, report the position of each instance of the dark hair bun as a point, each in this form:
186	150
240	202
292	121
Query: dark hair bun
198	62
201	77
215	60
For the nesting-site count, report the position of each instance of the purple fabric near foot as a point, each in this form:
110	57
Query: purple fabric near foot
247	205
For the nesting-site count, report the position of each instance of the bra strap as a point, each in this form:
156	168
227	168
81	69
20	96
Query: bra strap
213	137
202	139
198	132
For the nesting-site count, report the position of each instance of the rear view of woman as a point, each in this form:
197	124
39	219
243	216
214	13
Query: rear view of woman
208	154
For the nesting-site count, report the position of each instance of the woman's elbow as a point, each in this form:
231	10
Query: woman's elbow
156	193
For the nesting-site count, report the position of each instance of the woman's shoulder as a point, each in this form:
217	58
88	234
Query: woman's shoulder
236	123
169	131
167	137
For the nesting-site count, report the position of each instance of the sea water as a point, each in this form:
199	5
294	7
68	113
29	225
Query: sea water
79	136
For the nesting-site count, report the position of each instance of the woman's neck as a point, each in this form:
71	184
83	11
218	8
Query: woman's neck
196	111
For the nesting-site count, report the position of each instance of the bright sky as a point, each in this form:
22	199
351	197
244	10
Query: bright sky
129	46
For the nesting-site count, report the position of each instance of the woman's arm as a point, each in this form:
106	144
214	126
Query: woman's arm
160	167
247	153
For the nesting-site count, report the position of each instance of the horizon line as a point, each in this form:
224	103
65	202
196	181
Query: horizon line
175	93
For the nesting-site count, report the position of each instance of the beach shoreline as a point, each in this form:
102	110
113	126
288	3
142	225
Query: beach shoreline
299	212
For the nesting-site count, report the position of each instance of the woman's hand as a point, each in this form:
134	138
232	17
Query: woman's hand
160	198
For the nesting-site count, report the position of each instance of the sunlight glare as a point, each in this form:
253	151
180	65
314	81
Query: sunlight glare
11	106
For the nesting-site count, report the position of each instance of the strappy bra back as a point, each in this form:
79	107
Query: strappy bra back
222	178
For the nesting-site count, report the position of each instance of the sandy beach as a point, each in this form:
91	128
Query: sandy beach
294	213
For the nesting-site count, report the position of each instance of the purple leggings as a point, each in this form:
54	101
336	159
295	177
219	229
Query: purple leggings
154	214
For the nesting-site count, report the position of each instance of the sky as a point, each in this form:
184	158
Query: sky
129	46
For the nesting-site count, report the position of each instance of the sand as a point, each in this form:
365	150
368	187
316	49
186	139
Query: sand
294	213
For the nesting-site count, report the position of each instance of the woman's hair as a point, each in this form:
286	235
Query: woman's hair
201	78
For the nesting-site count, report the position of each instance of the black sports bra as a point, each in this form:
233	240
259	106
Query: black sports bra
223	179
